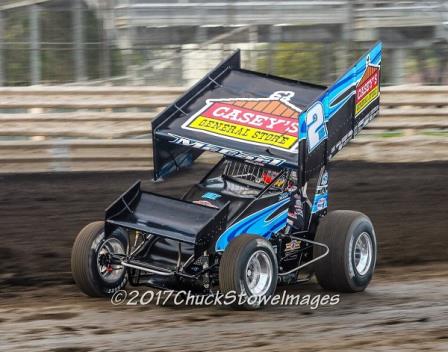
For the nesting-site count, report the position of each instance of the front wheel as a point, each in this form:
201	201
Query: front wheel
350	264
92	269
248	269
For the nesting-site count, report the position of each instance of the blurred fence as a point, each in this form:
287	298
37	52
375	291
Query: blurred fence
148	42
108	128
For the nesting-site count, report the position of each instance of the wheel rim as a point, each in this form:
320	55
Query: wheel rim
363	253
258	274
109	272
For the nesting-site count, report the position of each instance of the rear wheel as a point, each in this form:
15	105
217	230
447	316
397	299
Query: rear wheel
248	269
92	269
350	264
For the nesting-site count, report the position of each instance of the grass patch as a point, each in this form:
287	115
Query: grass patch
435	133
391	134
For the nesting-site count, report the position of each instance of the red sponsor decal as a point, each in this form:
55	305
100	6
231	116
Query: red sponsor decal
370	84
250	118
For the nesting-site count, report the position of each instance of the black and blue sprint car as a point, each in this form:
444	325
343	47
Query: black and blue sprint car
238	228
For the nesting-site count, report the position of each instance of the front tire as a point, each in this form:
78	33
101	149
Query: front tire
350	264
91	270
249	269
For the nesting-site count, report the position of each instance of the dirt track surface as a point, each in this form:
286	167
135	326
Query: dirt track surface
405	308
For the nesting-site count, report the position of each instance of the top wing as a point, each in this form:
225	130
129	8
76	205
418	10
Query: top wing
267	119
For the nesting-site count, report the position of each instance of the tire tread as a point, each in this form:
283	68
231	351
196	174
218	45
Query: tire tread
332	231
80	259
228	267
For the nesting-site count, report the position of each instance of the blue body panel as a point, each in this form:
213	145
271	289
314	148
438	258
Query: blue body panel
259	223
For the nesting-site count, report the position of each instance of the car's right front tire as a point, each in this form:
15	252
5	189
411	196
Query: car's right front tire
92	269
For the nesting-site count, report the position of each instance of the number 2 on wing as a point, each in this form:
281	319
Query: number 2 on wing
317	130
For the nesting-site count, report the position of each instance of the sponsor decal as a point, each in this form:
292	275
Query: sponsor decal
368	87
271	122
366	119
211	196
256	159
320	202
322	188
293	245
324	180
339	145
205	203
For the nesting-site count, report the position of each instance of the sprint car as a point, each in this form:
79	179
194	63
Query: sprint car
230	231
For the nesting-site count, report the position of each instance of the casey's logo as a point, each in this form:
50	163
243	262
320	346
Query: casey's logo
269	121
367	89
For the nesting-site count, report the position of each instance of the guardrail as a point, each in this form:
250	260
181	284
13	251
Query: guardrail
108	128
130	13
136	13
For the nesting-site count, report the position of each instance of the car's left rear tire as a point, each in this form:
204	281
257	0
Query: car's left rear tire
350	264
248	269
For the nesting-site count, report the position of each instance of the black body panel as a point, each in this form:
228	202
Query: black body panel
167	217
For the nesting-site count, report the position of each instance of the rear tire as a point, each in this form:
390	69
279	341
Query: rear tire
350	264
248	268
90	270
